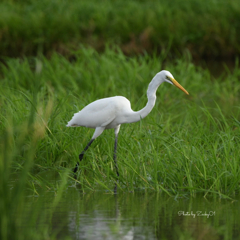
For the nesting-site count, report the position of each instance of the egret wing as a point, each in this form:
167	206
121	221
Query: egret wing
97	114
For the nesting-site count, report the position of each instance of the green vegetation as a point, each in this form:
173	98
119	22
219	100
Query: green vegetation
70	54
205	28
186	144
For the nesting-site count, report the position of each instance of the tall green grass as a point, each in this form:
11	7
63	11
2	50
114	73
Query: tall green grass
19	142
186	144
204	28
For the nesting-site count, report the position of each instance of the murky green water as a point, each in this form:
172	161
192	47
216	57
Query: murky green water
138	215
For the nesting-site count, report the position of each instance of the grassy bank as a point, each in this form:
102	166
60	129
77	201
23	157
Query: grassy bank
206	29
187	143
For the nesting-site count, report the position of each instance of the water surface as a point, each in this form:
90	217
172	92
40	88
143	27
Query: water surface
137	215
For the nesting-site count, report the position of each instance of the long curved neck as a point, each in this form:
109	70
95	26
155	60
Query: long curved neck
151	95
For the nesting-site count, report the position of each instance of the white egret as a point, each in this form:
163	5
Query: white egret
111	112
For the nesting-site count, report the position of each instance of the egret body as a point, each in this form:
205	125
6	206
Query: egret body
111	112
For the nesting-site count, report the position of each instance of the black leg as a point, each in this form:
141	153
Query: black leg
115	156
82	154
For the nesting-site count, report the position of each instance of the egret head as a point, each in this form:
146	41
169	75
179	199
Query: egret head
168	77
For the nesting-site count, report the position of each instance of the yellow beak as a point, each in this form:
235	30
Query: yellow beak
179	86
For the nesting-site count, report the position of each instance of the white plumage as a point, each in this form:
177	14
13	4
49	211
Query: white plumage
113	111
105	112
